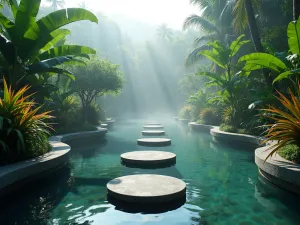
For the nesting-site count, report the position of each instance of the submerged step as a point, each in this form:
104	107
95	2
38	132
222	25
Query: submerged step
154	142
153	127
146	188
148	158
153	132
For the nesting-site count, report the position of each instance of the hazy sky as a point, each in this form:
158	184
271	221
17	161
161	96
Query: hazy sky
172	12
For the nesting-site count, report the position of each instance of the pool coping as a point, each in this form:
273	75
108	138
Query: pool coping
17	172
233	138
201	127
277	170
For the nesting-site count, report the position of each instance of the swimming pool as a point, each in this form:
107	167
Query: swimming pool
223	185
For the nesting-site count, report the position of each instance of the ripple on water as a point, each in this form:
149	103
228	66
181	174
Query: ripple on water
223	186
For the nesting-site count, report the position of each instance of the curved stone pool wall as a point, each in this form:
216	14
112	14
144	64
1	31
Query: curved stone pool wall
16	174
277	170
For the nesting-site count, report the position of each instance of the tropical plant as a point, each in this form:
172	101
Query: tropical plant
29	46
286	127
228	80
164	32
185	112
282	64
23	131
209	116
213	22
57	4
198	101
99	78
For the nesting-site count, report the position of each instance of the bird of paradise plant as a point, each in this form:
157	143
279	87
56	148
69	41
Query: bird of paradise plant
23	130
286	127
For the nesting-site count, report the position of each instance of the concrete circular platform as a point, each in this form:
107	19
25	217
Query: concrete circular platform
153	132
146	188
153	124
149	158
155	127
154	142
104	125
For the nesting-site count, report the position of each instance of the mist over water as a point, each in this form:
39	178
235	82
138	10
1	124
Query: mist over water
150	56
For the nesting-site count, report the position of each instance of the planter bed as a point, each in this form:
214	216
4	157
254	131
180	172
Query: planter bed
277	170
14	175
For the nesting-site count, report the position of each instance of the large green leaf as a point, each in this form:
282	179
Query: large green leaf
66	50
5	22
237	44
293	33
282	76
49	63
264	59
13	6
58	19
216	78
214	56
7	50
57	35
26	16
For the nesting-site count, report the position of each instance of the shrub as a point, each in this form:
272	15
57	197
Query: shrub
186	112
228	128
209	116
286	127
66	111
23	132
290	152
94	114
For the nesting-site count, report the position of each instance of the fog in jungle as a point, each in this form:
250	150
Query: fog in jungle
146	39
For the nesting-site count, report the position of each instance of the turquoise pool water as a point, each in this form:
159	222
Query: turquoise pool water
223	186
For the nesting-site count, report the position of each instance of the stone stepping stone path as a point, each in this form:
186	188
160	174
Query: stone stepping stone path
154	142
153	132
153	123
146	188
153	127
104	125
149	158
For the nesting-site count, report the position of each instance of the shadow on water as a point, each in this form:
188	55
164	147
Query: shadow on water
149	166
33	204
267	193
170	171
149	208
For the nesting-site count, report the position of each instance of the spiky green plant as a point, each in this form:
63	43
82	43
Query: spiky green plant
286	127
23	130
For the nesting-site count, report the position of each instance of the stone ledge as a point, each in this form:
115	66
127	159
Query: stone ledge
278	170
184	121
234	138
17	172
200	127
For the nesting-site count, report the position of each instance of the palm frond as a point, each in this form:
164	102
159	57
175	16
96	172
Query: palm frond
194	57
199	22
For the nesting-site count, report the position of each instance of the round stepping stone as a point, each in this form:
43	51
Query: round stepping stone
146	188
154	142
153	132
153	127
104	125
153	124
149	158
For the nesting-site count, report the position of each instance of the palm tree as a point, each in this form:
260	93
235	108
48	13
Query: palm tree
164	32
83	5
57	4
296	9
213	21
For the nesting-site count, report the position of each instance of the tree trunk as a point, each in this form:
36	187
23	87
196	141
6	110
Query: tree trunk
255	35
296	9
